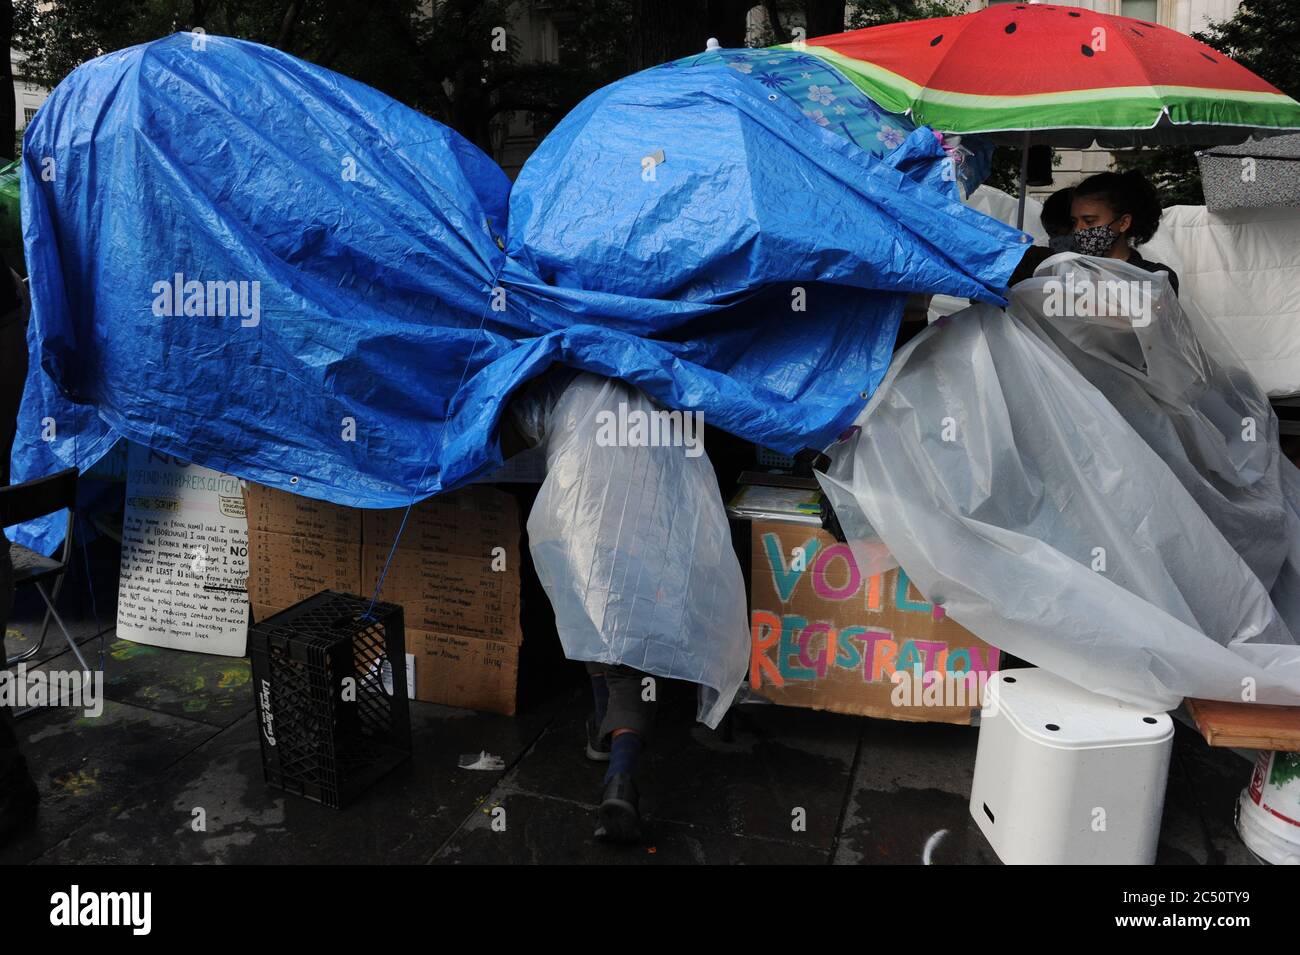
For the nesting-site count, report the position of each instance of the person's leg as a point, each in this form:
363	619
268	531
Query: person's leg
597	742
632	703
18	794
629	724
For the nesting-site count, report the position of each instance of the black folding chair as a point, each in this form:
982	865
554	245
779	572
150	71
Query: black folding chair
25	502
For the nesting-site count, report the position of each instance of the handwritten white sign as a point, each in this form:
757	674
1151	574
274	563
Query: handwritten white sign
184	557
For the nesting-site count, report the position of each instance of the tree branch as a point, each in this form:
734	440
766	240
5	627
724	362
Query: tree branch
774	21
291	14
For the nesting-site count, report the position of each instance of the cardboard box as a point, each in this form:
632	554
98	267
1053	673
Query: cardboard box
448	592
455	523
289	568
465	672
298	547
456	572
282	513
826	637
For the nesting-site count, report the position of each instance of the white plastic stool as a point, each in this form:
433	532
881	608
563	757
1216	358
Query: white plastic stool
1064	776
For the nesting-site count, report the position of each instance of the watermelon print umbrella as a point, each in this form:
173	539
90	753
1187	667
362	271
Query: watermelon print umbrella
1061	76
1066	75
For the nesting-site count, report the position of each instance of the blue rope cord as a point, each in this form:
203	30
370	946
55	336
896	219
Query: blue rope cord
482	319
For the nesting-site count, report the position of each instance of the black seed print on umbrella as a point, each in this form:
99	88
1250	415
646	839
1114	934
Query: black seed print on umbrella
1138	32
937	40
1073	14
1085	50
1208	57
1011	28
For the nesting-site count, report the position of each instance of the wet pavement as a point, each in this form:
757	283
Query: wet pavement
171	772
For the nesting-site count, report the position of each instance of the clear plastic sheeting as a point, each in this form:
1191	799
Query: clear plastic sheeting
631	542
1091	529
1178	383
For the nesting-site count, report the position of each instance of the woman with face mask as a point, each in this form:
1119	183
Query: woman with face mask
1113	213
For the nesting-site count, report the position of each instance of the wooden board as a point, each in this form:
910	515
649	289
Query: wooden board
1247	725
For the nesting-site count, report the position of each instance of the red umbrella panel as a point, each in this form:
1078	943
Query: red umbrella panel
1066	74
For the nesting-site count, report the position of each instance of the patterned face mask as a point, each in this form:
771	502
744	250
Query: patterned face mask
1094	241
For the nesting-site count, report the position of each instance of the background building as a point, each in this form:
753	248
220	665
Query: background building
27	96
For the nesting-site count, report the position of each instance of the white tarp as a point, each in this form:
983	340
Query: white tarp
1242	268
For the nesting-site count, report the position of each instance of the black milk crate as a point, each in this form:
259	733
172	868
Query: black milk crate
323	738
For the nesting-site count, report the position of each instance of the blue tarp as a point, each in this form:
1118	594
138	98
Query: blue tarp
829	99
266	268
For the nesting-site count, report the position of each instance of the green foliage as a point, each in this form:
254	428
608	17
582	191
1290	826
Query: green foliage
56	38
874	13
365	39
1004	172
1171	169
1264	37
438	57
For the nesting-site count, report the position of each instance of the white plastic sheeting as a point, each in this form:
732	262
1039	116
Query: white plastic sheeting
1241	267
1003	206
631	541
1016	494
1177	383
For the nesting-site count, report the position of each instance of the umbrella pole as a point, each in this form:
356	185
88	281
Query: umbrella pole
1024	174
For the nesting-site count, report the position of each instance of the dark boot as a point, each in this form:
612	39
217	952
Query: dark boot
620	803
620	811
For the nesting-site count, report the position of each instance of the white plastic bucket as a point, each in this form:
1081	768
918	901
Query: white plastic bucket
1268	812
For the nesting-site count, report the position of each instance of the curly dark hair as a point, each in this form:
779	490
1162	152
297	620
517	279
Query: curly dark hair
1055	216
1126	192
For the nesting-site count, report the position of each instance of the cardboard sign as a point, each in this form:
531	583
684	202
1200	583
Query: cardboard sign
826	637
455	572
465	672
299	547
184	557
